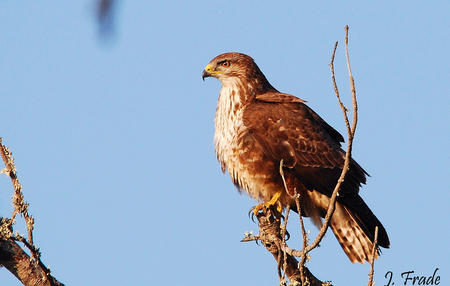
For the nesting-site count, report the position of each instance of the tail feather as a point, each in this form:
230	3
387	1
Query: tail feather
365	218
352	238
353	223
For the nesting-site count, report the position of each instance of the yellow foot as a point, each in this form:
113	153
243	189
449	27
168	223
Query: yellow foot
274	200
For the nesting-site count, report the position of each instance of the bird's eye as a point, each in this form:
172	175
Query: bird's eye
225	64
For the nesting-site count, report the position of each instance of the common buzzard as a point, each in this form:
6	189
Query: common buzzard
257	126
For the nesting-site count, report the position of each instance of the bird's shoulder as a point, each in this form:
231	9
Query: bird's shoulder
278	97
285	113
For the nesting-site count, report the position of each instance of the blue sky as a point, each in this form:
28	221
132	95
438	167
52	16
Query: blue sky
114	141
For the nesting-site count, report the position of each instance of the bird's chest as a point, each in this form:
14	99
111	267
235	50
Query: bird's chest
236	149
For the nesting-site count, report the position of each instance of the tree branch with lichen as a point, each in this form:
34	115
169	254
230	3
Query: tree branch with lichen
29	270
270	235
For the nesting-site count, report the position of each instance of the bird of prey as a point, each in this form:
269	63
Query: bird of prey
257	127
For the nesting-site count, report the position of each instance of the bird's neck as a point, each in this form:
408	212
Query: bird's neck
239	93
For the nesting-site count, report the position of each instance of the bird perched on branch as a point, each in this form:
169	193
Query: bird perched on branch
258	127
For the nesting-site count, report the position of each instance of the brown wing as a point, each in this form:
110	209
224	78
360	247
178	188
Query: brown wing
293	132
277	97
274	96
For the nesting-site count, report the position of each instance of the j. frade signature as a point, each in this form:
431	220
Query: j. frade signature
411	278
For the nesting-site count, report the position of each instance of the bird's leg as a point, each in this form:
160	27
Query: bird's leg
274	200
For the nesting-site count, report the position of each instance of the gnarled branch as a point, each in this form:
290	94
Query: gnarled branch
270	235
29	270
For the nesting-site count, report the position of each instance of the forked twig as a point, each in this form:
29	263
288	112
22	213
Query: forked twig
351	133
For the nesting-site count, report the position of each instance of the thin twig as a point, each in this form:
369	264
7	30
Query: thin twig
352	85
301	264
279	258
35	252
372	258
336	90
351	133
20	206
284	180
293	252
283	230
296	196
283	237
250	238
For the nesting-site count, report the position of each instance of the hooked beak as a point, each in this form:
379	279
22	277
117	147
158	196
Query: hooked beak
206	72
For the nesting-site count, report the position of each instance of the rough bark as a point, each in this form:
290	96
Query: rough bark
26	269
270	235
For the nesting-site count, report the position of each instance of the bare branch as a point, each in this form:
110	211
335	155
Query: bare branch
336	90
283	235
352	87
296	197
304	254
270	236
13	258
372	258
351	133
250	238
30	271
20	206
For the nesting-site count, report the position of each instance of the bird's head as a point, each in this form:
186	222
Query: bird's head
238	69
231	65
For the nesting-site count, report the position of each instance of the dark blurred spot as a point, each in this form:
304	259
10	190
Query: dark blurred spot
105	10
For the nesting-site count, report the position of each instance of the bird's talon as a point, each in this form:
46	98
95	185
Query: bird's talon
266	205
